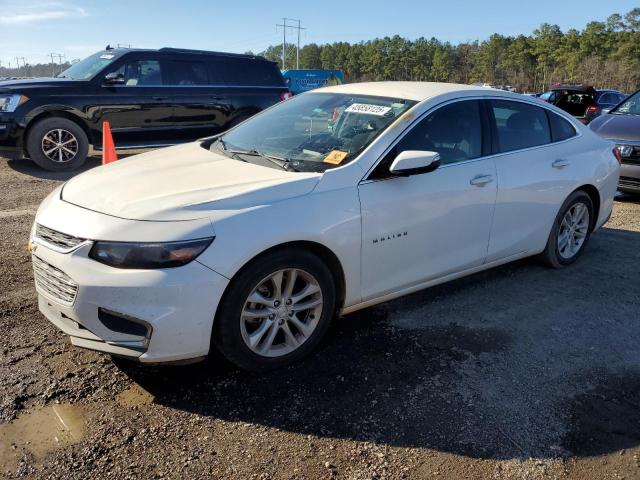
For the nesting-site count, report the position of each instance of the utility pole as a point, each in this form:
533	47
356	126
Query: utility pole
298	49
284	26
24	64
59	56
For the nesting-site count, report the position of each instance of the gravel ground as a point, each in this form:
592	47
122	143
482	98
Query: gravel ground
517	373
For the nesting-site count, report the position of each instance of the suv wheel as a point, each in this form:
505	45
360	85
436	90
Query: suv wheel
275	311
57	144
571	230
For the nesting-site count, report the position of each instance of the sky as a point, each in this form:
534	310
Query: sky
34	28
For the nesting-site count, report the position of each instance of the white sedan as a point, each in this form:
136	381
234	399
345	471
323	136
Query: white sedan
251	242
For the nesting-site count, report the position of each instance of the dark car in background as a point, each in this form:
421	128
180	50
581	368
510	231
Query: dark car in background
150	98
621	125
582	101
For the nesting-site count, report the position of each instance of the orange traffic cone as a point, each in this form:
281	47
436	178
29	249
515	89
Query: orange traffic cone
108	147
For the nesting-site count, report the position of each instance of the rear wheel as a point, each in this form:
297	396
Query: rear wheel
571	231
276	311
57	144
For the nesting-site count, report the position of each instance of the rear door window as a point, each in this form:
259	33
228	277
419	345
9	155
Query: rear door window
561	129
185	73
519	125
245	72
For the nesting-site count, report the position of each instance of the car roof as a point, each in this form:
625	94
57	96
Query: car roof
186	51
417	91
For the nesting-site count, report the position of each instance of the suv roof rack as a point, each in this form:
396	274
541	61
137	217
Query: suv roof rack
207	52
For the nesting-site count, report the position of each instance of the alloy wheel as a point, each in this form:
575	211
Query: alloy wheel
59	145
281	313
573	230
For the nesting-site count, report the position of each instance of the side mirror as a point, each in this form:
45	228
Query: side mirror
114	78
413	162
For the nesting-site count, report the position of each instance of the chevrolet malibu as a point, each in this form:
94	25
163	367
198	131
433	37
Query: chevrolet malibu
252	241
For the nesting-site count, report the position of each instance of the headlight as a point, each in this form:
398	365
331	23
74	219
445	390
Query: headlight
9	103
148	255
625	150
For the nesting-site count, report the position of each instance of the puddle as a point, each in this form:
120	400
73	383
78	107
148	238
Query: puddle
134	395
40	432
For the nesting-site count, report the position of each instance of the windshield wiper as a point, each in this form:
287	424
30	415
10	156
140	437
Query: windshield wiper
279	161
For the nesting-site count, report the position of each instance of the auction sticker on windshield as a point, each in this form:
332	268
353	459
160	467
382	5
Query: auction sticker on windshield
335	157
368	109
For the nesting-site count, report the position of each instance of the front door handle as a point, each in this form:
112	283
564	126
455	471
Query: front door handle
560	163
160	98
481	180
218	98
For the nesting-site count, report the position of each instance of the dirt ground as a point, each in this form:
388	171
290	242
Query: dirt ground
517	373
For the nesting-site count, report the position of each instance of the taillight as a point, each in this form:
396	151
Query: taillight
617	154
592	109
285	95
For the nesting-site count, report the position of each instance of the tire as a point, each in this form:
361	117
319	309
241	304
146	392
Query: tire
234	331
48	133
558	257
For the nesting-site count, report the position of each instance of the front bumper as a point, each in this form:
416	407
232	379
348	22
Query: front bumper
11	136
177	304
630	177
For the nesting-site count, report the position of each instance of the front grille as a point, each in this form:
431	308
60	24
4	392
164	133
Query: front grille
54	281
57	239
630	182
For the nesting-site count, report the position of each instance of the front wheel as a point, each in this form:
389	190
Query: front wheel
571	231
57	144
275	311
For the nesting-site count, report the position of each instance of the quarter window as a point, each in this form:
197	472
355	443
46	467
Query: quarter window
519	125
561	129
454	131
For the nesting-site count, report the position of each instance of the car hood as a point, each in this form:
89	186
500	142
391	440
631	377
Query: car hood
185	182
617	127
8	86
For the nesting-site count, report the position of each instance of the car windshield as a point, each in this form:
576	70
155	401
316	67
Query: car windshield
314	131
630	106
87	68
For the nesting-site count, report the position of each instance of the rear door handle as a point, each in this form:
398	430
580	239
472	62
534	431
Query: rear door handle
560	163
160	98
481	180
218	98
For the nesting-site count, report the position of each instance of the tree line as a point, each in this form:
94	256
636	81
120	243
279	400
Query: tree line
604	54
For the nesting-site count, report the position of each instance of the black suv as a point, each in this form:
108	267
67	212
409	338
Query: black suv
150	98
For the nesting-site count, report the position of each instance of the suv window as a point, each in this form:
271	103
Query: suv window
519	125
608	98
240	72
141	73
185	72
561	129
